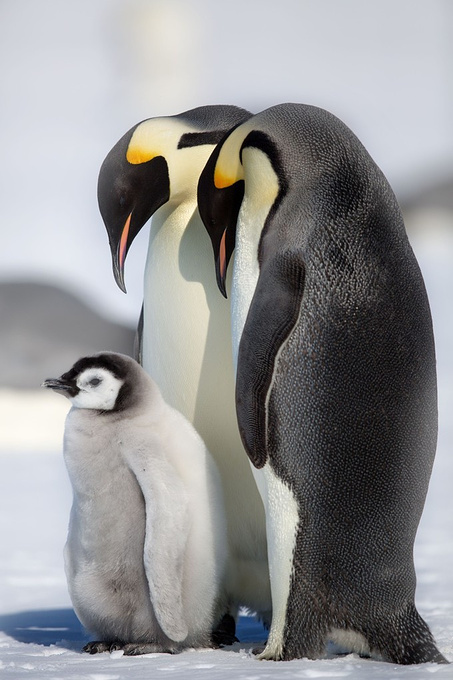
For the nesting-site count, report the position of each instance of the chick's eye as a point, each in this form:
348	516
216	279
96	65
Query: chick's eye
94	382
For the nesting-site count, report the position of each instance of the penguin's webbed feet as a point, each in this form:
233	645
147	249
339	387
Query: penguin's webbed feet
99	646
136	649
257	651
225	633
129	649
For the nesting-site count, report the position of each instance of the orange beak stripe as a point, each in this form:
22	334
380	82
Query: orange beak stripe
123	241
222	256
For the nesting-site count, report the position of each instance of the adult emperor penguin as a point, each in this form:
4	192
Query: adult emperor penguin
186	337
336	380
146	545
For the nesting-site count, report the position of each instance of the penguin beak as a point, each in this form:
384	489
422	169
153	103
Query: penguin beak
223	238
56	384
119	256
221	265
219	210
222	254
128	196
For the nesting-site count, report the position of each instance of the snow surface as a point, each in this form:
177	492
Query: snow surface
41	637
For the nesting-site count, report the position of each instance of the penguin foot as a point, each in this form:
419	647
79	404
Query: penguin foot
129	649
225	633
135	649
99	646
256	651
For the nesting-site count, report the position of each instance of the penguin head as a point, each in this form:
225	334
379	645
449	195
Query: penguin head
291	152
103	382
243	171
157	161
129	192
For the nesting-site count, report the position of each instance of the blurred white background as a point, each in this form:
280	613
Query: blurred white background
77	74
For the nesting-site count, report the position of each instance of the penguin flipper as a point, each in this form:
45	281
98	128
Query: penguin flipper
167	528
274	311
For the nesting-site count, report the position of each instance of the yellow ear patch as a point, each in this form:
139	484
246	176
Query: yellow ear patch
221	179
154	137
228	169
136	155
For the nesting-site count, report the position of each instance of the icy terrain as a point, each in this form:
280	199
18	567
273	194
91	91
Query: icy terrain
41	637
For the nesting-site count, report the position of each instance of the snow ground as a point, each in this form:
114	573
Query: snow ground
41	637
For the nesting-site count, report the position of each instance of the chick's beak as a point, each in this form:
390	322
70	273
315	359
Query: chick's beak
56	384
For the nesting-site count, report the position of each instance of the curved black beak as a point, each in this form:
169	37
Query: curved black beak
128	196
219	210
223	250
56	384
119	255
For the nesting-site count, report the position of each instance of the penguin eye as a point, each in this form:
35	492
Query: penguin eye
94	382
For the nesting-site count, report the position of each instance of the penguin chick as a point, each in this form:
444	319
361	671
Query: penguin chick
146	543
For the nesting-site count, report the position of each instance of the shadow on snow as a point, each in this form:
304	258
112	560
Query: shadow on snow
62	627
45	627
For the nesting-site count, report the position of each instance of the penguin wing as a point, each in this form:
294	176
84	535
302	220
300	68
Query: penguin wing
167	528
273	313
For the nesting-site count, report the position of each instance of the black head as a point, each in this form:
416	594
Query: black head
104	382
129	193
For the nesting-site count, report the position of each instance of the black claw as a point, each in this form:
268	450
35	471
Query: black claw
258	650
225	633
99	646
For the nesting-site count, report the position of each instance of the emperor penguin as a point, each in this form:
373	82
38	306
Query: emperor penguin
185	330
336	380
146	544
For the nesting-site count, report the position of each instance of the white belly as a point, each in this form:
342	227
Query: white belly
187	350
282	517
281	509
